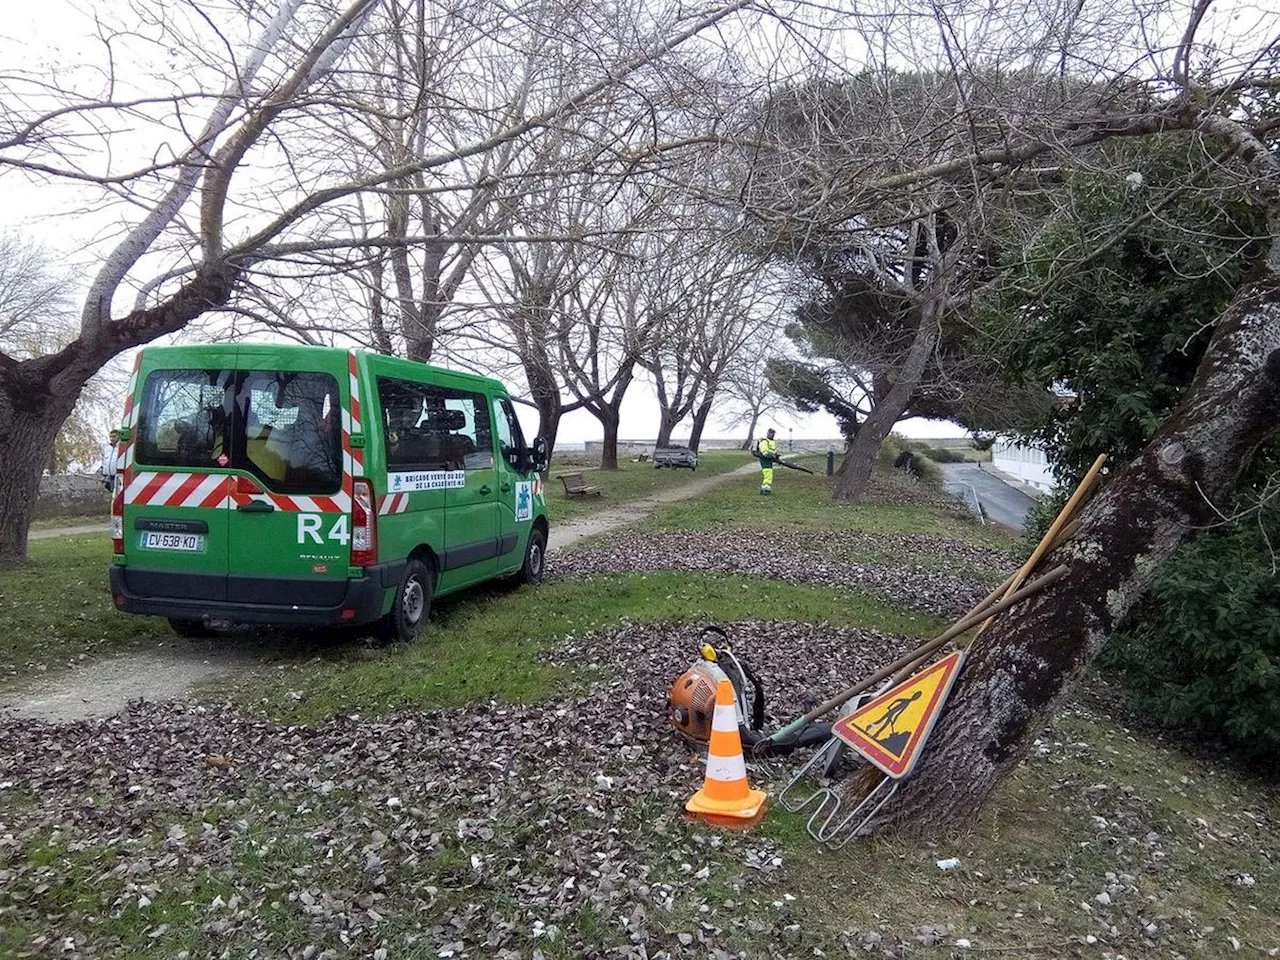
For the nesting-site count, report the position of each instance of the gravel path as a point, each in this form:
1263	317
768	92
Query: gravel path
74	531
564	535
101	688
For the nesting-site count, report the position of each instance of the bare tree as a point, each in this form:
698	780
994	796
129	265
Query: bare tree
751	397
200	227
36	310
710	300
607	331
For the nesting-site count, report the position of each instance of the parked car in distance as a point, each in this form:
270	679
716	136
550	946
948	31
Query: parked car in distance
675	456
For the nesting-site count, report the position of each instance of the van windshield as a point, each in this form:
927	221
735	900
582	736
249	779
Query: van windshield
283	427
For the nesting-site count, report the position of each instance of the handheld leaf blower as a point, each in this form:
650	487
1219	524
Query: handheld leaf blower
692	701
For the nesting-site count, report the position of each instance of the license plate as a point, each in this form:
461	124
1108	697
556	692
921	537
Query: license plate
153	540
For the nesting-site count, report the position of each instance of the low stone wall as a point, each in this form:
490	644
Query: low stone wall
72	495
633	448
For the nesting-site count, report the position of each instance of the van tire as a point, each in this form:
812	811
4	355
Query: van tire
412	604
535	559
191	629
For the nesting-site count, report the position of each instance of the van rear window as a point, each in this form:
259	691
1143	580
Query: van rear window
184	417
289	432
283	427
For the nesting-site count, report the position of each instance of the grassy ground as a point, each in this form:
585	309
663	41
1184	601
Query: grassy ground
57	608
485	644
631	481
801	506
1098	808
1185	854
1106	843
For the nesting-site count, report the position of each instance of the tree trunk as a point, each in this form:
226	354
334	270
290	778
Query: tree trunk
37	395
751	431
699	423
609	420
666	424
546	398
548	426
28	431
1022	668
860	462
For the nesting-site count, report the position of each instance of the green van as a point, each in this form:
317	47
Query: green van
314	485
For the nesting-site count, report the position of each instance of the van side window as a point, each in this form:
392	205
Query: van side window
427	427
183	419
510	437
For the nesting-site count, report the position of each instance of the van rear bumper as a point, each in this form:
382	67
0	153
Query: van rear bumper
361	602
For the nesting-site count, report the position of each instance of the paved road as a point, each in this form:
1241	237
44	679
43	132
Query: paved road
1003	503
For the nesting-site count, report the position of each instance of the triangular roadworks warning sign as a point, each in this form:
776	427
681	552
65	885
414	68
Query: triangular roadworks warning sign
890	731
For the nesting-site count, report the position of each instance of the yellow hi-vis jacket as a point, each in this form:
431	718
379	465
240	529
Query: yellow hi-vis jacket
768	452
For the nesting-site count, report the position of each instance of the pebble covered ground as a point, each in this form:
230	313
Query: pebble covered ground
911	579
491	829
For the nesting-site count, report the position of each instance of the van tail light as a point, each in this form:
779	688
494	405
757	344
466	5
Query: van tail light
364	525
117	517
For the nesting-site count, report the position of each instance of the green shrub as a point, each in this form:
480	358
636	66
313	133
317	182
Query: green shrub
1202	652
942	455
920	467
1038	519
890	451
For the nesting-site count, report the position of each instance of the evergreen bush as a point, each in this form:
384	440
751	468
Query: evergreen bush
1202	652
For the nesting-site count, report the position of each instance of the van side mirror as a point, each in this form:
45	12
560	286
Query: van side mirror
540	455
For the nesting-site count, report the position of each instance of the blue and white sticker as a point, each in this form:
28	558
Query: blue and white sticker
524	500
427	480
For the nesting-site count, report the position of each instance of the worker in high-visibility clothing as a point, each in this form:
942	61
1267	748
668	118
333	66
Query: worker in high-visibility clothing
767	451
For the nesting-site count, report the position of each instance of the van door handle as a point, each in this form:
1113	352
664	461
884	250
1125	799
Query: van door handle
506	487
256	506
485	490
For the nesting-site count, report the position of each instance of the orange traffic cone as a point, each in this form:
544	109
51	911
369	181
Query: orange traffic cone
726	798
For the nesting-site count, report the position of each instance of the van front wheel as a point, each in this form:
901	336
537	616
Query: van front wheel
535	558
412	604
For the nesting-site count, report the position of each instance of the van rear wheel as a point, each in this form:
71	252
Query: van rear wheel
192	629
412	605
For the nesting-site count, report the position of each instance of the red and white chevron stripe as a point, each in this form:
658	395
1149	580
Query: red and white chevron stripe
169	489
393	503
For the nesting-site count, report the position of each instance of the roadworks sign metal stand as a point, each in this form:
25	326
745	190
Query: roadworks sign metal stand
889	731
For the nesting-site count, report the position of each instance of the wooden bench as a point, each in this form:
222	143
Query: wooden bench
576	486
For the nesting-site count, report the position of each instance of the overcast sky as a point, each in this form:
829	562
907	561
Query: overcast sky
56	34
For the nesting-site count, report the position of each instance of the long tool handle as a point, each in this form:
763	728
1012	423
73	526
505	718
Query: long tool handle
1065	516
981	608
969	620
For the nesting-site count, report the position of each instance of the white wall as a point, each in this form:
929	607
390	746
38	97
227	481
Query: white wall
1027	463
